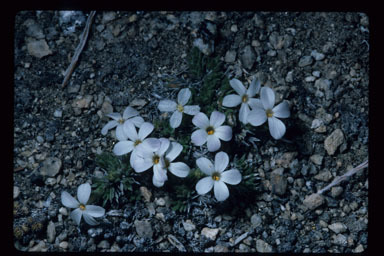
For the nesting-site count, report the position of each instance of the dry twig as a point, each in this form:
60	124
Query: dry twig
345	176
83	40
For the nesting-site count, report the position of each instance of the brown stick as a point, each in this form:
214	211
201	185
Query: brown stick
83	40
345	176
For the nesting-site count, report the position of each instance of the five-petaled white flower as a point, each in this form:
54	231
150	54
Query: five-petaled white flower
87	211
243	96
210	131
260	114
130	114
136	140
160	159
179	108
217	177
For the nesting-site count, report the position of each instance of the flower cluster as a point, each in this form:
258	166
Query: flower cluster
160	154
258	111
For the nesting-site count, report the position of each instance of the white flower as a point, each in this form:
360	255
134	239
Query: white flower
179	108
260	114
118	120
211	131
217	177
161	161
243	96
136	140
87	211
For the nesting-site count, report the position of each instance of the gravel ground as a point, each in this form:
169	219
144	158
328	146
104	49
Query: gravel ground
319	62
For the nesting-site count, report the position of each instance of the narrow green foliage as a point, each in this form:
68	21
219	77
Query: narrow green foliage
250	180
116	182
163	128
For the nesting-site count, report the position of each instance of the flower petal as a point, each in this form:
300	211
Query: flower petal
231	100
257	116
175	119
120	134
191	109
76	215
253	103
157	183
183	96
213	143
83	193
224	132
232	177
216	119
137	121
221	190
173	151
108	126
204	185
130	130
164	145
199	137
205	165
89	219
276	128
123	147
179	169
237	86
167	105
221	161
145	129
281	110
130	112
140	164
149	145
267	97
243	114
114	116
200	120
254	87
159	175
69	201
94	211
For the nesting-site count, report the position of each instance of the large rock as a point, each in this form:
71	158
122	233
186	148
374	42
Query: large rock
210	233
333	141
313	201
38	48
248	57
143	228
262	246
51	167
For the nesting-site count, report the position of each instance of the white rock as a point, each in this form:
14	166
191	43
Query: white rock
210	233
16	192
188	225
338	227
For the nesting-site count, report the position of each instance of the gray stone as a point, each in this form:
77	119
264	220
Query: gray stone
63	245
333	141
256	220
305	61
143	228
262	246
175	242
82	102
220	248
340	240
248	57
323	84
51	167
324	176
210	233
278	181
146	194
188	225
16	192
317	55
34	29
58	113
289	77
108	16
38	48
337	227
40	247
313	201
309	79
317	159
104	244
205	48
230	56
276	40
336	191
271	53
240	238
51	232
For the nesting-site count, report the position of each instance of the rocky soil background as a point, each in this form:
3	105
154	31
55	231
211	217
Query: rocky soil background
319	62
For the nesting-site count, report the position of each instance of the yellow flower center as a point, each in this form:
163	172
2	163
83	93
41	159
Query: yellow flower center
137	142
244	98
216	176
121	121
210	130
82	207
156	159
269	113
180	108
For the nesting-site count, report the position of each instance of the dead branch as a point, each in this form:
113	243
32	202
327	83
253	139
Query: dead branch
79	49
345	176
